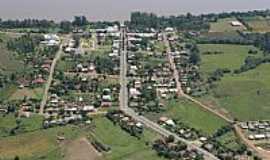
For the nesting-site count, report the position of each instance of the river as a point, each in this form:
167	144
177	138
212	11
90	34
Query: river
118	9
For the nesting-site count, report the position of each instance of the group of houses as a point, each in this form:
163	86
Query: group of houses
189	76
109	31
38	75
126	122
61	112
257	130
51	40
172	149
181	129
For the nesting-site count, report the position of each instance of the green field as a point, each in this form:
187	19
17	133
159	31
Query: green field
258	24
20	94
26	124
123	146
193	116
36	145
8	62
223	25
230	141
159	47
246	96
232	56
31	141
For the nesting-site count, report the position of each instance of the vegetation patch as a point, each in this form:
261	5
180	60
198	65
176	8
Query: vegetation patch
41	144
193	116
246	95
258	24
224	25
123	146
229	56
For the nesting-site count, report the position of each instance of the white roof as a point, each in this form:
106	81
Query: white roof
236	23
170	122
88	108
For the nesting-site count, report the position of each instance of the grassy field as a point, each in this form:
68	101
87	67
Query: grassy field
27	124
36	145
258	24
223	25
7	92
230	141
35	93
8	62
192	115
123	146
232	56
246	96
159	47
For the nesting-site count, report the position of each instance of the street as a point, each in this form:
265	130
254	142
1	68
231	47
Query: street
148	123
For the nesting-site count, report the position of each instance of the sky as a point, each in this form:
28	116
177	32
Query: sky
118	9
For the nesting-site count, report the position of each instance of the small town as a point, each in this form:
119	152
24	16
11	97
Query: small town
187	87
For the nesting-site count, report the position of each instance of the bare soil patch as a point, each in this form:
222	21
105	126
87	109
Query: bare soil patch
81	149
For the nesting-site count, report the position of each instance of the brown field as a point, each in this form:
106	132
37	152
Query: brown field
81	149
25	92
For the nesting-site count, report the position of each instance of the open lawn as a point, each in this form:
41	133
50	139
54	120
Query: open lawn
246	96
229	56
224	25
123	146
36	145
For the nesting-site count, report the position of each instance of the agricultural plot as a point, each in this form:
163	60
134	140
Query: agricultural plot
123	146
40	144
191	115
10	122
221	56
245	96
258	24
224	25
20	94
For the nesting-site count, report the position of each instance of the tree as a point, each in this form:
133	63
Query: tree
195	58
16	158
66	26
80	21
170	139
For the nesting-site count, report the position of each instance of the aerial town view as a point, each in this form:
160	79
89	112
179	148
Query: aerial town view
144	80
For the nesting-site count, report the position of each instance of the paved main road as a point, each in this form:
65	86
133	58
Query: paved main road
148	123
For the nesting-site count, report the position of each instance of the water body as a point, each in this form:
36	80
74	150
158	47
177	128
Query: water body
118	9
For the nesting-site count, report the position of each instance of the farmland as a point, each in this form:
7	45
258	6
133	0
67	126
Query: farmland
223	25
123	146
258	24
245	96
236	92
191	115
35	144
194	116
228	56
